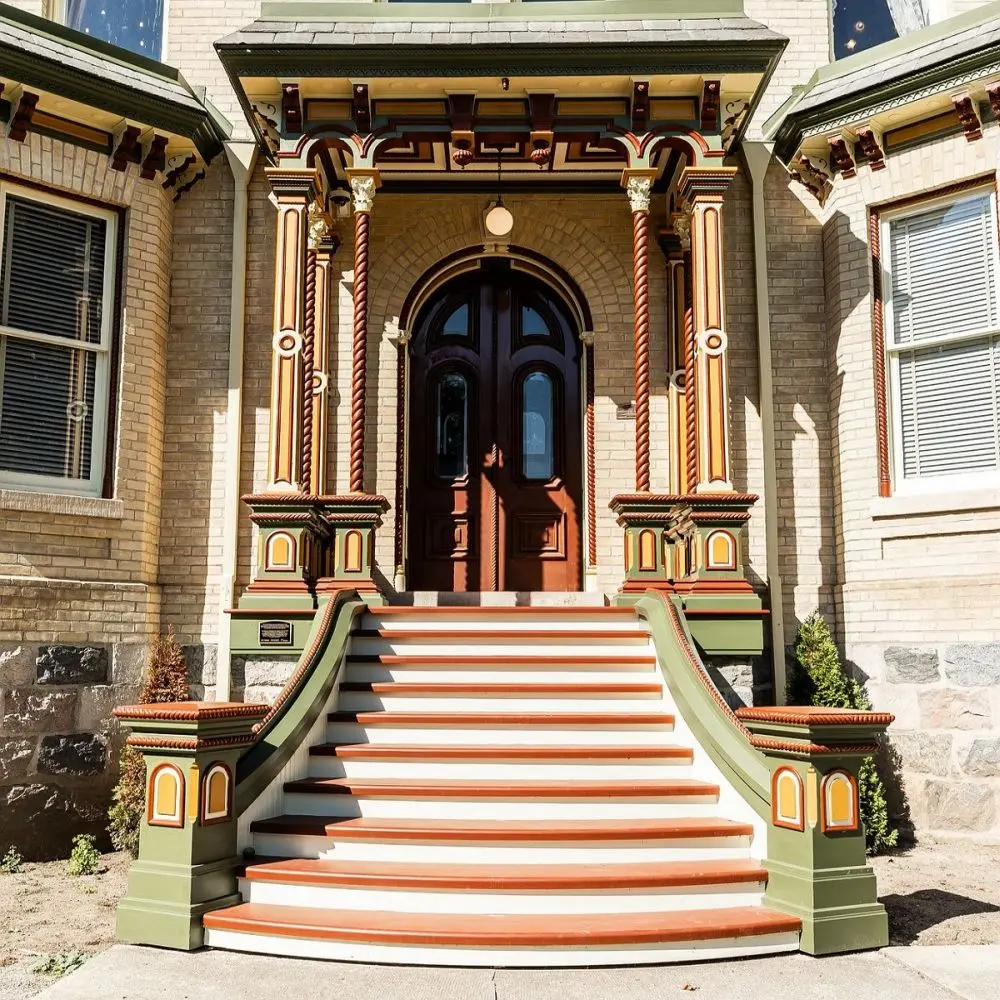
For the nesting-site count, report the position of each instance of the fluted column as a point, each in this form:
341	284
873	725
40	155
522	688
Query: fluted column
702	189
294	191
319	264
638	185
364	183
676	251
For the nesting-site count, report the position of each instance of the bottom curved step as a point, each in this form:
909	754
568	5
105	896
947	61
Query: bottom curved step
502	940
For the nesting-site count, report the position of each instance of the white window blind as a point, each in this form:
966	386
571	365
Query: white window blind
56	292
944	345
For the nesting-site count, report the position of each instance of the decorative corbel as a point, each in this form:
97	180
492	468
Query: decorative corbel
361	109
542	115
640	105
291	107
736	113
22	110
153	155
841	157
871	147
968	117
813	176
993	93
176	167
710	106
124	144
681	222
266	117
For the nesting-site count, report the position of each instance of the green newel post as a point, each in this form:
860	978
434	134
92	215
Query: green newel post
187	842
816	863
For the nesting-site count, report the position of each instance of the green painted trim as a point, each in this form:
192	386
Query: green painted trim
281	735
787	127
205	127
716	731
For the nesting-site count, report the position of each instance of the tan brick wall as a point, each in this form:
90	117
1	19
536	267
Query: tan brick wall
917	592
80	572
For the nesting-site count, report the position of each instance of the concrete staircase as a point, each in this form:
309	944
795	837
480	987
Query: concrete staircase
505	786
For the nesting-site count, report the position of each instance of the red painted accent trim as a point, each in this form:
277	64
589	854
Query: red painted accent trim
813	715
189	711
506	930
456	751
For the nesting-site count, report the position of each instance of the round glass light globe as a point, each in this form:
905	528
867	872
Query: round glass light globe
499	221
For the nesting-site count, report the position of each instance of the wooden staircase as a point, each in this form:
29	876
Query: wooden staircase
505	786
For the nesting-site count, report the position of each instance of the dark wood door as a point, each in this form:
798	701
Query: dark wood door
495	438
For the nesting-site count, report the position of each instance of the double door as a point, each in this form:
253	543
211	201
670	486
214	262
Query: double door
494	485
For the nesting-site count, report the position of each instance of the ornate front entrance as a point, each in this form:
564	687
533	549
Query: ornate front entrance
495	465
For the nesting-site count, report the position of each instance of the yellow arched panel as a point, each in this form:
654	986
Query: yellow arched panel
721	550
352	552
280	552
215	796
165	798
647	550
839	797
786	799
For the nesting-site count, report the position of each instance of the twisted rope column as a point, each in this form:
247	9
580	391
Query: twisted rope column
638	186
363	186
308	368
690	384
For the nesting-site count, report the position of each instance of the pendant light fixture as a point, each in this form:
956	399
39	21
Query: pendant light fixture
499	221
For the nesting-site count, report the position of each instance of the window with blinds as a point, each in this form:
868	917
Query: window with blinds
943	339
56	297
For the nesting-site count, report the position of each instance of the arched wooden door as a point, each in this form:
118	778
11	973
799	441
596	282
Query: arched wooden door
495	440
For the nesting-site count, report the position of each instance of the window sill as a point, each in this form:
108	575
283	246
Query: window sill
915	504
59	503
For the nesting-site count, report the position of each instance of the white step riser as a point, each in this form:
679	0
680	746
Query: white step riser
687	951
333	767
658	900
504	622
308	804
622	852
366	701
516	647
513	673
353	732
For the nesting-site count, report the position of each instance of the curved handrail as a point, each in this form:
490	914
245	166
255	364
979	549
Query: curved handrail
301	700
725	739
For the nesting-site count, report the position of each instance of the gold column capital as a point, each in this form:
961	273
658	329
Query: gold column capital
638	185
704	182
365	181
292	185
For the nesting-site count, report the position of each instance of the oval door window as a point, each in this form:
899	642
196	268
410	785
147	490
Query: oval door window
452	426
537	435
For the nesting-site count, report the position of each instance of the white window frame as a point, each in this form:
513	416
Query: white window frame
56	11
916	485
100	451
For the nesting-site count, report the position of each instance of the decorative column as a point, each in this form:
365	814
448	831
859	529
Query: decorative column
816	864
187	841
295	191
365	181
638	185
676	252
319	271
703	189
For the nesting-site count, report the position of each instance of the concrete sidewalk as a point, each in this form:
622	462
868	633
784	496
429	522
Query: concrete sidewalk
932	973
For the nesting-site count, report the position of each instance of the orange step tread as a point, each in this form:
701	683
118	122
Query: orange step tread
479	789
520	690
506	930
463	610
498	660
455	751
537	877
583	635
503	831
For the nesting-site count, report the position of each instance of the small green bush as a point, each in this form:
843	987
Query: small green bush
166	680
60	963
85	858
11	862
820	679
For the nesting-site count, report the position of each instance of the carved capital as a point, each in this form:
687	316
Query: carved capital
638	187
682	227
319	226
364	183
587	338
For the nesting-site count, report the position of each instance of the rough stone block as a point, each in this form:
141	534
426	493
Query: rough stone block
129	666
960	805
983	759
17	664
37	711
41	820
261	694
76	753
929	753
973	664
72	664
905	665
94	707
15	757
270	671
201	661
899	700
951	708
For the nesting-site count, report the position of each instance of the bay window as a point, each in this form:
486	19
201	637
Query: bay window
57	293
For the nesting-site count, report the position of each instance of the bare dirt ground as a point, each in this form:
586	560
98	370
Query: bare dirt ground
936	893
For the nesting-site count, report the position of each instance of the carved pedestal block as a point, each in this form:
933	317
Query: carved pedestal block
187	842
816	864
351	520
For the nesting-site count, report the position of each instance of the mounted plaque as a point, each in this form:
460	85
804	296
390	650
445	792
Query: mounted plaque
274	633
